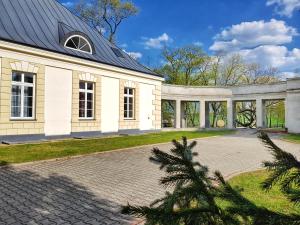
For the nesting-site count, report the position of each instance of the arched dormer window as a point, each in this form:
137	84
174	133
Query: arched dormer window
79	43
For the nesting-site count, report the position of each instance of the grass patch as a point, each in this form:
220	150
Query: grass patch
273	200
292	137
72	147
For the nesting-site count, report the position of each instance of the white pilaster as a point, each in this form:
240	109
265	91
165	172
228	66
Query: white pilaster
202	114
259	113
229	114
178	114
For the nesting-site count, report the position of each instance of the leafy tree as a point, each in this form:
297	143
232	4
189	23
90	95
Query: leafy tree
105	14
188	65
195	195
275	113
168	113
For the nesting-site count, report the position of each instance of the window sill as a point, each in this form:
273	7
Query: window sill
86	119
129	119
22	119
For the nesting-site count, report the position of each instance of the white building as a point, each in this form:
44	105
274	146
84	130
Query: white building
61	77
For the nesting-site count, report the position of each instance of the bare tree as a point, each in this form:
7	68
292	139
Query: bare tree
255	74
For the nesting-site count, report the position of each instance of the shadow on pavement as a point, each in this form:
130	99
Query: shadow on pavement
28	198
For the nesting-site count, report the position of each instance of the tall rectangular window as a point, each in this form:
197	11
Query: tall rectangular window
128	103
22	95
86	100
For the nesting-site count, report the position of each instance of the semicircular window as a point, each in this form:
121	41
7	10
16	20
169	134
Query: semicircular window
79	43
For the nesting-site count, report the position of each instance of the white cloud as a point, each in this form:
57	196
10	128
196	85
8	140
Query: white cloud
135	55
260	42
253	34
285	7
157	42
272	55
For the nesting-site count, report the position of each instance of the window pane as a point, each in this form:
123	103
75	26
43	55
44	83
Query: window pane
76	41
81	96
89	105
125	100
16	90
130	106
90	113
82	104
27	112
81	85
16	76
86	48
89	96
81	113
16	100
130	91
90	86
28	78
28	101
28	91
81	43
125	114
125	106
130	100
16	111
70	44
130	114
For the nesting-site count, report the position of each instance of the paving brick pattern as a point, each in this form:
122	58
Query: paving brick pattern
90	189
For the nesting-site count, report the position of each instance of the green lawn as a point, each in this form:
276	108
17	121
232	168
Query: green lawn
272	200
72	147
292	137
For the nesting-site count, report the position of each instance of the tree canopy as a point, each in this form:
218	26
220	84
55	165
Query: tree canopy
190	65
105	15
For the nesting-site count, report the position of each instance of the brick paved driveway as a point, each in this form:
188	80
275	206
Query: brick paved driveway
90	189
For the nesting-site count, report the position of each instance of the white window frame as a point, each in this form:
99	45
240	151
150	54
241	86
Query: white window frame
77	49
86	91
128	96
22	84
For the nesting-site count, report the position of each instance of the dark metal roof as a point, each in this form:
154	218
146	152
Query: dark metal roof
44	23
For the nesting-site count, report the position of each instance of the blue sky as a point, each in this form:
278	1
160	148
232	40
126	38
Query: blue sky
265	31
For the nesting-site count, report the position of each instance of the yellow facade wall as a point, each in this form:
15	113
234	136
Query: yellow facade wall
85	125
20	127
125	124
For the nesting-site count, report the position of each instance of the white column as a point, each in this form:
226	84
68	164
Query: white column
229	114
202	114
259	113
178	114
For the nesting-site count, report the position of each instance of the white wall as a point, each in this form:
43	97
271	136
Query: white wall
293	112
58	101
109	104
146	106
